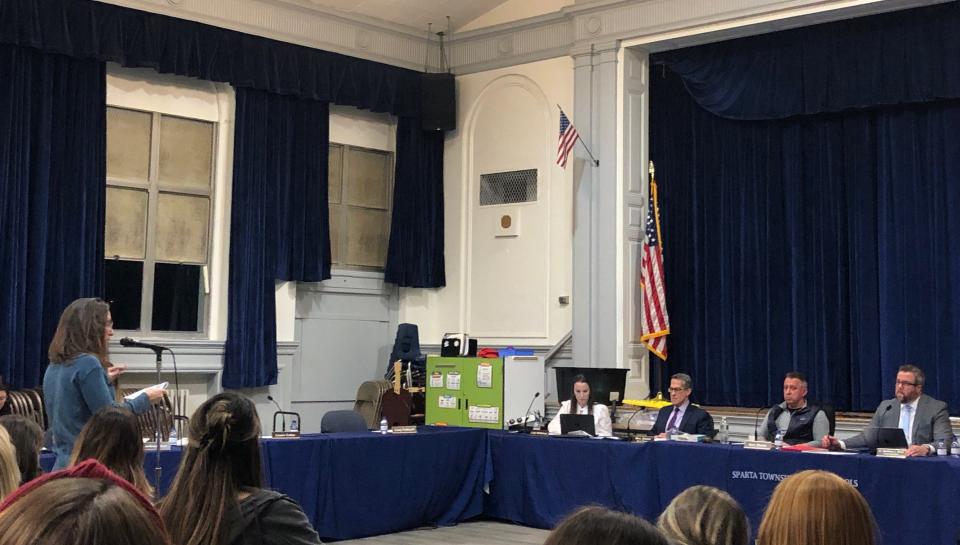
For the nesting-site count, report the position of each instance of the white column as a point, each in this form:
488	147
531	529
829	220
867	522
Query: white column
597	336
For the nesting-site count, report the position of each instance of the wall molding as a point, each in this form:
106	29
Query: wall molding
198	356
655	24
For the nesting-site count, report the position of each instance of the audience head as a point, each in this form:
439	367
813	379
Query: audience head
9	470
221	460
794	389
82	505
580	395
592	525
681	386
112	437
816	507
27	439
909	384
704	515
85	327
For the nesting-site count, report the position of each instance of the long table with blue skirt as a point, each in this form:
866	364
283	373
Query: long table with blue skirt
538	480
354	485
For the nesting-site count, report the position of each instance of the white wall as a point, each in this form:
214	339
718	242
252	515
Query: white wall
515	10
503	290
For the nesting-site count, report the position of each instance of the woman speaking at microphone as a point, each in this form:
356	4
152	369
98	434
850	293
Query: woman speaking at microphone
77	381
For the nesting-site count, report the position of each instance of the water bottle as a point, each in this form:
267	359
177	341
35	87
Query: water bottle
383	425
294	424
724	431
941	448
955	447
778	440
173	439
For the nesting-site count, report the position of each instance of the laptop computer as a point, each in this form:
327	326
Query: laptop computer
577	424
885	438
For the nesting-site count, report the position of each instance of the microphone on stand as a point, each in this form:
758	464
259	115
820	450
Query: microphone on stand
283	418
530	406
756	423
133	343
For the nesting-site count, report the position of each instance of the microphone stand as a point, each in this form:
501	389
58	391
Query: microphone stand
158	470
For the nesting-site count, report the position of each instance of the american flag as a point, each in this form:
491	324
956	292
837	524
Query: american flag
568	137
656	323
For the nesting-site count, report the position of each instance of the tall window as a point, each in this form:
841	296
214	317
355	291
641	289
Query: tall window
157	237
361	182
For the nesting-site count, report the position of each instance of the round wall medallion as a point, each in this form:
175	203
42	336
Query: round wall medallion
506	221
363	39
594	25
505	46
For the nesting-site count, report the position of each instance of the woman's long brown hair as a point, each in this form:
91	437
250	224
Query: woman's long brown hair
112	437
81	331
221	460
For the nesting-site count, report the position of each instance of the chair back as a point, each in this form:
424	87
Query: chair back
828	410
158	413
342	421
28	403
368	401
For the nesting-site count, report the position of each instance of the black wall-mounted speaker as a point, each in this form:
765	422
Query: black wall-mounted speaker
438	110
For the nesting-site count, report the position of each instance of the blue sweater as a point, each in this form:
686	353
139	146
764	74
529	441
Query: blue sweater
72	392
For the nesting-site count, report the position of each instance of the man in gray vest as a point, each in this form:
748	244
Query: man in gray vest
924	420
800	421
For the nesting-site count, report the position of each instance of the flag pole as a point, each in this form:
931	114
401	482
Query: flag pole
596	162
659	396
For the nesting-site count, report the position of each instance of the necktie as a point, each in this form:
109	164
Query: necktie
673	418
905	421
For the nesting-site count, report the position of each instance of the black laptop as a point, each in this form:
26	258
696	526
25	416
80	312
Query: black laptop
571	423
885	438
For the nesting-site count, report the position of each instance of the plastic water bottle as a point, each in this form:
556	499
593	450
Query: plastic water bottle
955	447
778	440
383	425
173	439
724	431
294	424
941	448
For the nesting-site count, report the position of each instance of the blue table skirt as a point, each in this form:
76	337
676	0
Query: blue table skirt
538	480
354	485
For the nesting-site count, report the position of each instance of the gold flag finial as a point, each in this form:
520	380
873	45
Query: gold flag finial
653	170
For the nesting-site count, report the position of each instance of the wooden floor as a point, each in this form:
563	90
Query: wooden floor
465	533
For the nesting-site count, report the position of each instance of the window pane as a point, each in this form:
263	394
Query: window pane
366	237
368	178
182	222
335	173
176	297
125	231
336	220
128	144
186	152
123	282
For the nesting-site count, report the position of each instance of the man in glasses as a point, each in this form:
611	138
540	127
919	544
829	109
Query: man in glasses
924	420
800	421
682	416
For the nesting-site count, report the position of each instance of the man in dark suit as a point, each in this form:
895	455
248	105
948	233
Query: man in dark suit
682	415
923	419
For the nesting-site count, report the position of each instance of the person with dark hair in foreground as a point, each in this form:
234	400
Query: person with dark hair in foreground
595	525
84	505
704	515
112	437
27	438
217	496
816	507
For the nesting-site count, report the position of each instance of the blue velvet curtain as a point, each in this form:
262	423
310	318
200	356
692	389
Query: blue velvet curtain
279	226
823	242
52	199
415	254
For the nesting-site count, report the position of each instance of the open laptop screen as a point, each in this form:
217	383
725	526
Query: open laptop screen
577	422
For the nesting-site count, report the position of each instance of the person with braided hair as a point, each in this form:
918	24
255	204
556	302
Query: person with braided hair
217	497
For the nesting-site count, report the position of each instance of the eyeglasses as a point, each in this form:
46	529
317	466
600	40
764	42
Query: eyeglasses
905	383
675	390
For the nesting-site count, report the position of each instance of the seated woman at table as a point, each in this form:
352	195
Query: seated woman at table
594	524
580	403
217	496
27	439
817	507
704	515
112	437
